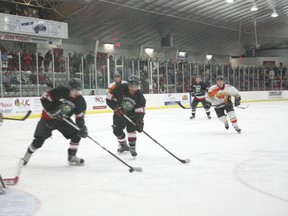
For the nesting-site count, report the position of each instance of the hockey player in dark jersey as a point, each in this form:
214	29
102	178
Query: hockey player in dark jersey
198	91
127	99
59	103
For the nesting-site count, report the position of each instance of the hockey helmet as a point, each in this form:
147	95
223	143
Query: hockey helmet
75	83
220	78
133	82
117	75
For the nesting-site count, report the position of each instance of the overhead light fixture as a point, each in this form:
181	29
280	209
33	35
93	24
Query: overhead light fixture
274	14
182	54
109	46
149	50
254	8
229	1
209	57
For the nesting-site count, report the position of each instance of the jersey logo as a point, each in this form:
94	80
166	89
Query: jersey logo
197	88
222	95
66	106
128	103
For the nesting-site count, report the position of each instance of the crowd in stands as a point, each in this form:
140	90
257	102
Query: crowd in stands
24	10
156	77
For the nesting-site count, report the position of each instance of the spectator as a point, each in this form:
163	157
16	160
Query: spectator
47	60
27	61
92	92
40	60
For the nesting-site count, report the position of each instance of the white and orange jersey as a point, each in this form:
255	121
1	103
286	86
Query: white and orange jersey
113	85
217	95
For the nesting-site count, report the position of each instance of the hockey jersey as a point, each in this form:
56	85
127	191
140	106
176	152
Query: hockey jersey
59	96
199	90
217	95
134	105
114	85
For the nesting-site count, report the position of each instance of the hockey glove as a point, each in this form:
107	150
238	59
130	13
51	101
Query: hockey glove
193	94
237	101
139	125
82	132
57	114
119	111
207	106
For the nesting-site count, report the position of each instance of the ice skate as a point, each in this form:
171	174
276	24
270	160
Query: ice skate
237	129
26	158
208	116
74	160
192	116
123	147
226	125
133	151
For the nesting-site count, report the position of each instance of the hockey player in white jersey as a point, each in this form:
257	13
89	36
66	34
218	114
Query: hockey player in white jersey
220	96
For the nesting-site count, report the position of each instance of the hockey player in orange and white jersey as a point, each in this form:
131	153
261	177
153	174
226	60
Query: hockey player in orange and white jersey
117	81
220	96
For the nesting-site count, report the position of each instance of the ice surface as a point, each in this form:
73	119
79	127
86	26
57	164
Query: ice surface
230	174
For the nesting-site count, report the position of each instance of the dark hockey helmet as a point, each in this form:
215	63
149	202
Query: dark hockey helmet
220	78
133	82
75	83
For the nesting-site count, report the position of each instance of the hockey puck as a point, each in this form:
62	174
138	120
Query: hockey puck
131	170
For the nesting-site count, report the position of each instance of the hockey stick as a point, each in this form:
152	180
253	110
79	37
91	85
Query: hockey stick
181	160
138	169
19	119
243	107
14	181
182	106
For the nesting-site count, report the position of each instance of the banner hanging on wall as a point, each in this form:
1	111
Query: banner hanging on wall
33	26
30	39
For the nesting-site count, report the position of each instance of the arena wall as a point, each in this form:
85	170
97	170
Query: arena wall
96	104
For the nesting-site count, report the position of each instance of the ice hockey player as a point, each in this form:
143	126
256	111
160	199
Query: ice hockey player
220	96
117	81
198	90
59	103
127	99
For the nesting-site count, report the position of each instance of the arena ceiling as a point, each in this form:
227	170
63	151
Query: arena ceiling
212	26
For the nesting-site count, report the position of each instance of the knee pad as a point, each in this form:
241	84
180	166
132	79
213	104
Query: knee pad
75	139
37	142
117	131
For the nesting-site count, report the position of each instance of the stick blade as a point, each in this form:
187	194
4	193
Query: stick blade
137	169
11	181
182	106
243	107
185	161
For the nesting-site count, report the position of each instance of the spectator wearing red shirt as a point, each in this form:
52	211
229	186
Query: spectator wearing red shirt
27	61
